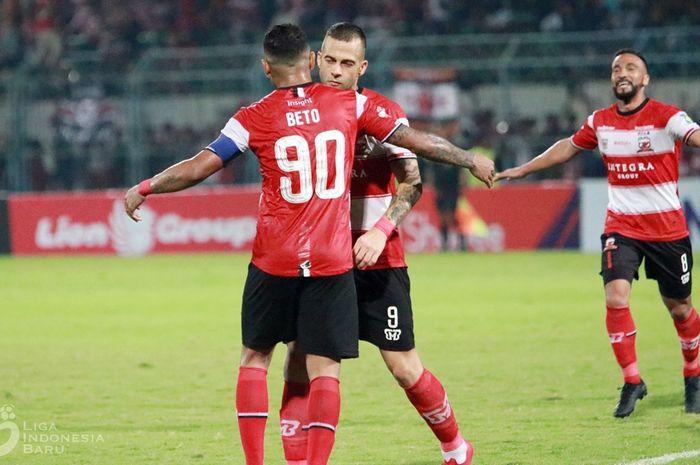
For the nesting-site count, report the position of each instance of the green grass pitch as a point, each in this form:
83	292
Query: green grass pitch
133	361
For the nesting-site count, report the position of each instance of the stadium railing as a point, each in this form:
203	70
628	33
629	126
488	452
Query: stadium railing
209	81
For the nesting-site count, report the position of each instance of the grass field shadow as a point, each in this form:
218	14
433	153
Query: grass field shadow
670	399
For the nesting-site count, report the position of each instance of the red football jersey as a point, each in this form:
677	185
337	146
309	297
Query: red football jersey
641	151
304	138
373	183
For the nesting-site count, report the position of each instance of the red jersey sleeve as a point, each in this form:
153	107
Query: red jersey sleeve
586	137
374	119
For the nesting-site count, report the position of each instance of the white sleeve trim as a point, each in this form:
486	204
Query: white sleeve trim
679	126
237	133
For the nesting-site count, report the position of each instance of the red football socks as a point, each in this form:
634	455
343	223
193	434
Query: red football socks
293	416
430	400
251	409
324	412
689	334
623	332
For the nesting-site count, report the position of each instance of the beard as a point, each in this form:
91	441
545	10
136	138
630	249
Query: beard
627	96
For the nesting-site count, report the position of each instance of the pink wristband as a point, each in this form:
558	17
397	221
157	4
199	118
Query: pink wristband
385	226
145	187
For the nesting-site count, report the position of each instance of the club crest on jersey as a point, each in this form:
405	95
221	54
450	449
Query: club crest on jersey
305	269
381	111
392	334
644	144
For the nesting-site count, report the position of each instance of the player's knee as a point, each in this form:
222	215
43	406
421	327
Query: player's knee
295	367
256	358
679	309
406	374
680	312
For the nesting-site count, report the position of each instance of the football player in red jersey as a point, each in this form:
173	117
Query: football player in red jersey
639	139
300	285
381	277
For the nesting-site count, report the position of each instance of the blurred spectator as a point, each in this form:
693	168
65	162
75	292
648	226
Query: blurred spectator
47	39
11	42
121	29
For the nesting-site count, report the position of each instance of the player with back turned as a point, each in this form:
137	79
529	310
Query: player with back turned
381	275
640	140
299	284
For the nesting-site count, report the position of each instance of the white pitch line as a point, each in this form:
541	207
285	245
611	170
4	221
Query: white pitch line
668	458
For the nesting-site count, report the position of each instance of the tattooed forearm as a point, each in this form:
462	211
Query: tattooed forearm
431	147
408	190
405	198
445	152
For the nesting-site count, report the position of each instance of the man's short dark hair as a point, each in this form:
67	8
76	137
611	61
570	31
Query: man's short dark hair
634	52
285	43
346	32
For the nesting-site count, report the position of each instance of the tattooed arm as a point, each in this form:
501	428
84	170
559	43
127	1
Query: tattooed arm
177	177
370	245
436	148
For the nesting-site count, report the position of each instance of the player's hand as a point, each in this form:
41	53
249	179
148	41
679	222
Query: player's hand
483	169
132	201
369	247
510	173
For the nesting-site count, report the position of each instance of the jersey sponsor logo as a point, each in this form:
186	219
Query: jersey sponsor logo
289	427
392	334
299	103
305	269
630	170
439	415
361	173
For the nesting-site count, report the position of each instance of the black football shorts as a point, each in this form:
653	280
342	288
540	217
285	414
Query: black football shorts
668	262
320	313
384	303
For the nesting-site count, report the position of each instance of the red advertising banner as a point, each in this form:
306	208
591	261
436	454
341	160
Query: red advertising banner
202	220
509	217
529	216
515	217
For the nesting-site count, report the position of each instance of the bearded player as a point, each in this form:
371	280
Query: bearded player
640	142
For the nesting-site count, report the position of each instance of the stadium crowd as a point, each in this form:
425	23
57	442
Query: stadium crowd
43	31
42	34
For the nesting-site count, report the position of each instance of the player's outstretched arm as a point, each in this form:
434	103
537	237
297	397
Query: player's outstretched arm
370	245
177	177
436	148
694	139
560	152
